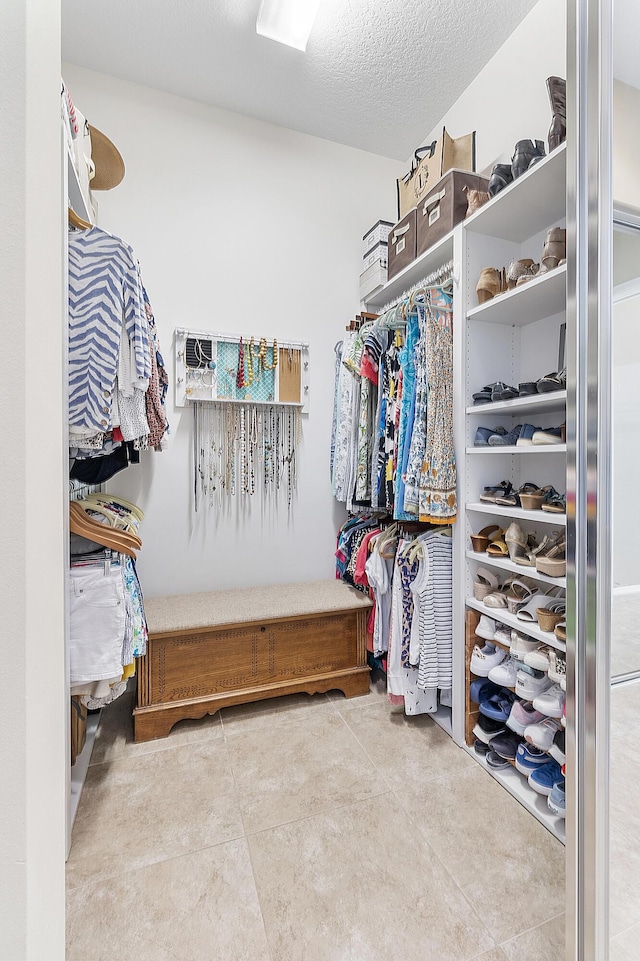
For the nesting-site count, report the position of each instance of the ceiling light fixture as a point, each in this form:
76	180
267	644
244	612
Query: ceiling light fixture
287	21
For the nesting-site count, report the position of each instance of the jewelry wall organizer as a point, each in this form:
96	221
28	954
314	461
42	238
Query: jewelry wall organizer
248	395
232	369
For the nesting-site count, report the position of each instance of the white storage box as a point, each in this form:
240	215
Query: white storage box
377	234
372	279
378	255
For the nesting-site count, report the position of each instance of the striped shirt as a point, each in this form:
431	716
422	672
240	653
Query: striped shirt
105	293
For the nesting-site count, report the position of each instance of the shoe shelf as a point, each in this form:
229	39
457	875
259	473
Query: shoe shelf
538	403
524	627
508	565
533	449
516	784
412	274
528	205
543	296
538	517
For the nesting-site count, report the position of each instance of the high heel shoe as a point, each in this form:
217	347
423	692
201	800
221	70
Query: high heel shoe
557	90
555	247
501	177
554	561
516	541
490	283
517	269
525	154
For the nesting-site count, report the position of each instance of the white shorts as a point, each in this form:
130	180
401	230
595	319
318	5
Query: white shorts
97	612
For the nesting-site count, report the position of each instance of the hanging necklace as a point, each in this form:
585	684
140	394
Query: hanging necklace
240	374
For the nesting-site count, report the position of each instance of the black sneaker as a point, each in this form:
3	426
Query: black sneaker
480	747
487	727
557	749
496	762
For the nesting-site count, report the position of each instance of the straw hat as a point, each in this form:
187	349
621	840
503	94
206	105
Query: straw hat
108	162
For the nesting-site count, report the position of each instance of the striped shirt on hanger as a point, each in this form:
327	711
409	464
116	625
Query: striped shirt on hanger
104	294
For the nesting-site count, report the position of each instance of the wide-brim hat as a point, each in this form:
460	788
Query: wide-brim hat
108	163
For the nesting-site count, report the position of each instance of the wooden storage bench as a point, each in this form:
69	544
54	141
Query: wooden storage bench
208	651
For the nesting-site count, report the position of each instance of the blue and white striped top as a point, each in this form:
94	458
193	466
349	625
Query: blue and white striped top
105	295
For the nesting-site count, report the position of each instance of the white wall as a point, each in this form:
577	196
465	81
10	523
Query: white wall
626	143
508	99
33	749
240	226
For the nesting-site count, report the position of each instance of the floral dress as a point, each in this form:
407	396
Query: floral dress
437	499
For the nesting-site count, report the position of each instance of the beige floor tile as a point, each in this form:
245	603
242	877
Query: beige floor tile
377	695
491	846
496	954
200	907
406	750
289	770
360	884
624	879
114	738
275	710
137	811
544	943
624	947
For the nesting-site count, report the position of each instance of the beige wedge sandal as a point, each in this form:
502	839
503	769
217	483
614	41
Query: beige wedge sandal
554	561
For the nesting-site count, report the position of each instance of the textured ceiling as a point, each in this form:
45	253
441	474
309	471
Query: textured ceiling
375	71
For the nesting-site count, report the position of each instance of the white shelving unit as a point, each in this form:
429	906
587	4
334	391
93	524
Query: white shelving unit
537	449
516	784
518	513
429	261
504	564
512	338
511	620
535	404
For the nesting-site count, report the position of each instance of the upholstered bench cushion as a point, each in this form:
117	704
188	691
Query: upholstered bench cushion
184	612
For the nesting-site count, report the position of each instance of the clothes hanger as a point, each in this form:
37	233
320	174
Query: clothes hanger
113	517
80	523
78	222
116	514
115	499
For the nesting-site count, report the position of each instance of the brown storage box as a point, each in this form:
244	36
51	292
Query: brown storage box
402	244
445	206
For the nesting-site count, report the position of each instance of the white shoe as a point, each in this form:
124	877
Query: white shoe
522	645
538	659
503	634
483	659
486	628
542	734
551	702
531	683
505	673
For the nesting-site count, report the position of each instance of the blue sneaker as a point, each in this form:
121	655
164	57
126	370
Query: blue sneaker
484	433
481	689
557	801
544	777
529	759
505	440
498	706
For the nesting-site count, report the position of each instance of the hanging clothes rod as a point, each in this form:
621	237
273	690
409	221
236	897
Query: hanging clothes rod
436	278
235	338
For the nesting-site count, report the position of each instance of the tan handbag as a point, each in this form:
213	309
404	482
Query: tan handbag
430	163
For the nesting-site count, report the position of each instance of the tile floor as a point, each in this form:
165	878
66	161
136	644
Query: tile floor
307	829
624	841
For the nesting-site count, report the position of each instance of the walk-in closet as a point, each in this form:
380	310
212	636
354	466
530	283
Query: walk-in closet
320	575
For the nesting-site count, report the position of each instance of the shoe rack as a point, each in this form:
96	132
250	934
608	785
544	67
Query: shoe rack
512	338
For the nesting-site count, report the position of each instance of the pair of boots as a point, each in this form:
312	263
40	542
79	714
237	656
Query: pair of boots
527	152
